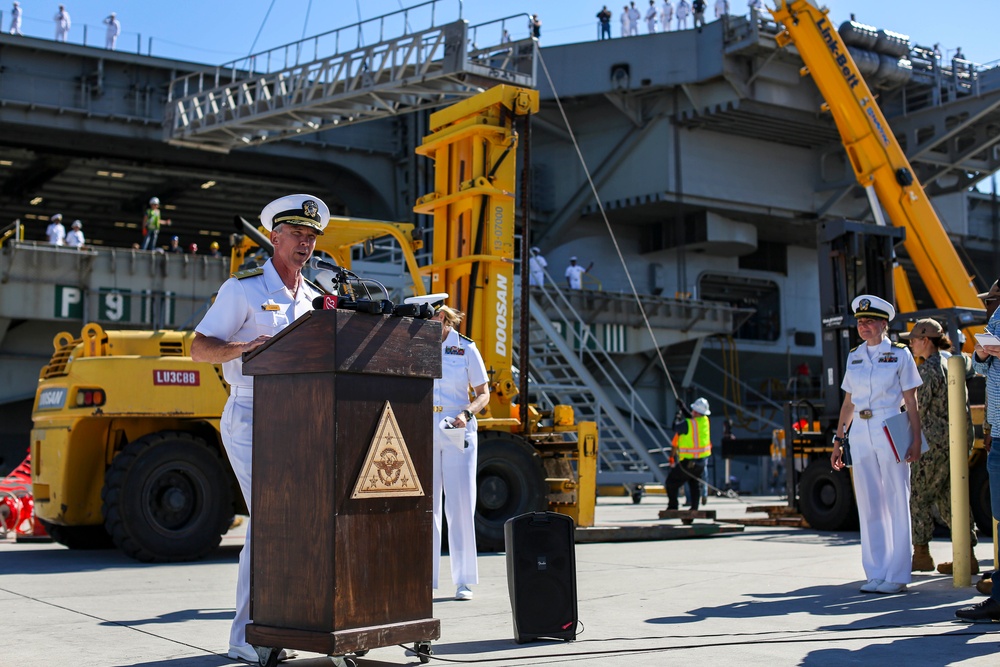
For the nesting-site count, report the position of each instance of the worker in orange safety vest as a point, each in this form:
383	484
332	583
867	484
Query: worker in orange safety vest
692	446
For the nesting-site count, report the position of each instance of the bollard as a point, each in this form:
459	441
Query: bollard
961	549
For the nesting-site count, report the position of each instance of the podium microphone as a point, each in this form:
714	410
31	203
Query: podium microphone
326	302
324	265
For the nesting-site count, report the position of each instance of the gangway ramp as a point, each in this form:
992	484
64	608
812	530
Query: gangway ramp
334	79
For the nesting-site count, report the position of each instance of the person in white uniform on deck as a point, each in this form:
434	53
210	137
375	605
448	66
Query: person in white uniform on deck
62	24
75	238
651	17
633	20
250	308
881	377
455	467
683	9
666	15
536	268
55	232
114	29
15	19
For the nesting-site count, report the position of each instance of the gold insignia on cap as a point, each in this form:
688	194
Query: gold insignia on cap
864	304
310	209
388	469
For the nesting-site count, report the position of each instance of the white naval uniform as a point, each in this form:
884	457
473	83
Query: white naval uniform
633	21
536	270
721	8
666	15
683	9
62	25
56	233
15	21
625	23
651	19
244	309
111	36
574	273
881	485
75	238
455	469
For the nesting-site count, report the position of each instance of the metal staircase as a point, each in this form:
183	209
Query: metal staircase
334	79
569	366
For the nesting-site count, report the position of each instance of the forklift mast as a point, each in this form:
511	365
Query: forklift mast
859	259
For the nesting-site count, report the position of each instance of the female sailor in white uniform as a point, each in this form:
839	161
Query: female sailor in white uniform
881	376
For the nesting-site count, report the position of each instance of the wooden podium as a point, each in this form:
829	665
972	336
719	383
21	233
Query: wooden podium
341	498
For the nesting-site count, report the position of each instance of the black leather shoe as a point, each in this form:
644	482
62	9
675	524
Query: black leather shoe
987	610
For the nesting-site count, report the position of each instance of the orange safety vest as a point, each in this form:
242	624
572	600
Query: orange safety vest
696	443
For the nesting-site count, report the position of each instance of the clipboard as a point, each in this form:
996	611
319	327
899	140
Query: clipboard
987	339
899	434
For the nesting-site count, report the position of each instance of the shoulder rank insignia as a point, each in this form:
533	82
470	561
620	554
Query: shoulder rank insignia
465	338
248	273
897	344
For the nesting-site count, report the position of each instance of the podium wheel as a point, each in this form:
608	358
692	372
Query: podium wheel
423	651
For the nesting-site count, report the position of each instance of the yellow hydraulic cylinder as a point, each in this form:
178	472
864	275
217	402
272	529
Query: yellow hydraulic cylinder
961	548
586	468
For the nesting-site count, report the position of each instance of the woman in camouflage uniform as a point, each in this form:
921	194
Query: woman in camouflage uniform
930	476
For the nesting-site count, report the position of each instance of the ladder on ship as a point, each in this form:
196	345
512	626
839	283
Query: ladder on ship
334	79
569	366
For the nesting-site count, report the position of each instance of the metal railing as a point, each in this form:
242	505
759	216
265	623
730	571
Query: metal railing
324	45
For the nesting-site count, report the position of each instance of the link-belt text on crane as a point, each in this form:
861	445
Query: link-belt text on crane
840	58
500	335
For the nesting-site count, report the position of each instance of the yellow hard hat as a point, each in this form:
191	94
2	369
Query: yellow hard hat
214	245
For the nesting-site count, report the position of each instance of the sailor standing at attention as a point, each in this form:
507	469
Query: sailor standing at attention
881	377
250	308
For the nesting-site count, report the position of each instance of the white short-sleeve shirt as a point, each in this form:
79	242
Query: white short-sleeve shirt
879	383
575	274
250	307
461	367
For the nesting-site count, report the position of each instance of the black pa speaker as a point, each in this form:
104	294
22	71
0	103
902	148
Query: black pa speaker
541	575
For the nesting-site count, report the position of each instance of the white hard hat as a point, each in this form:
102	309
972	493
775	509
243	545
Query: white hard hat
154	200
57	217
701	406
300	209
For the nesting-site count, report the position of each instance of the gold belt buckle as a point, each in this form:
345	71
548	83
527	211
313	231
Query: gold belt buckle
438	408
865	414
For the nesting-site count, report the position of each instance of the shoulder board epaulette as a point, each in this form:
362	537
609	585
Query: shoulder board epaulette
856	347
897	344
248	273
466	338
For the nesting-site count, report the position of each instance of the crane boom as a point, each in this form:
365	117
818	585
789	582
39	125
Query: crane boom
876	157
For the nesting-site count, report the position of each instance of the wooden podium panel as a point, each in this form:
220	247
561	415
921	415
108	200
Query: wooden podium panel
332	573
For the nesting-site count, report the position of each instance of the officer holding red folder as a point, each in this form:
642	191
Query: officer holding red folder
881	377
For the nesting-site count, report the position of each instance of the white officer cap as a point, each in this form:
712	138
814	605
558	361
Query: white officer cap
701	406
57	217
535	249
873	307
300	209
76	223
572	259
435	300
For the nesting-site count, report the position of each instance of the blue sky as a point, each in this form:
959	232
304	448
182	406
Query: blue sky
216	31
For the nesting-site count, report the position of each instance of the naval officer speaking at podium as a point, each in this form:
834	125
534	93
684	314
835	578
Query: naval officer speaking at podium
881	376
250	308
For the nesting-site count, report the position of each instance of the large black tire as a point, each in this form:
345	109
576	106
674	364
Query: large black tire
511	481
167	497
979	498
826	498
79	537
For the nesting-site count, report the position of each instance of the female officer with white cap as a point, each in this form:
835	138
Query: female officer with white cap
250	308
881	376
462	367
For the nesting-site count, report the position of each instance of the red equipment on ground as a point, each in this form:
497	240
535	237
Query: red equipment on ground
17	505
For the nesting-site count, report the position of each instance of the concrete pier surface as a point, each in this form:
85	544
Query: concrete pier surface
769	596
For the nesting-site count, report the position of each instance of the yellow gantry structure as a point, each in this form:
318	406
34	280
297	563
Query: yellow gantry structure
879	163
473	147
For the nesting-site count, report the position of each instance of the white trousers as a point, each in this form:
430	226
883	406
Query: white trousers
237	437
455	475
882	489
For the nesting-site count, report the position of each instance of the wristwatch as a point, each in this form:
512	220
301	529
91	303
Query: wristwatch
837	440
466	414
